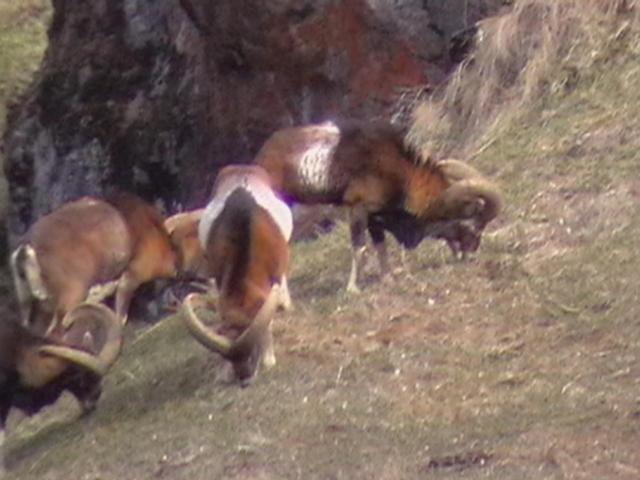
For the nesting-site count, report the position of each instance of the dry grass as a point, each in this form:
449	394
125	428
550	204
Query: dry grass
539	48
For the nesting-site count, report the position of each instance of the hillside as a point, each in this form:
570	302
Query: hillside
522	362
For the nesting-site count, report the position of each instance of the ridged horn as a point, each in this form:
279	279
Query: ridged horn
457	170
229	349
173	221
203	334
27	274
110	350
475	198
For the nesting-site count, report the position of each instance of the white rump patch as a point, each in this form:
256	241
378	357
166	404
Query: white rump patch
261	193
315	161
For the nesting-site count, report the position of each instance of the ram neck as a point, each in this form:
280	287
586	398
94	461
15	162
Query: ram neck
424	185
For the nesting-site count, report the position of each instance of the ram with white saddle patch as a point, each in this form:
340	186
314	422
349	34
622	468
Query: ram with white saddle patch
368	168
244	232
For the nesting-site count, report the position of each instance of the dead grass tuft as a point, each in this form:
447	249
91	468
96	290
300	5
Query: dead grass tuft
539	47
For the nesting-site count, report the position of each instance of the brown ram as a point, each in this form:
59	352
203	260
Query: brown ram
369	169
35	370
87	243
153	254
244	232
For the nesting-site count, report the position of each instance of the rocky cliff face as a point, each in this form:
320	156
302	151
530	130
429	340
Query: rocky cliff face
153	96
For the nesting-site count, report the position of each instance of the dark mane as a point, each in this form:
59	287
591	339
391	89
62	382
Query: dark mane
366	134
236	221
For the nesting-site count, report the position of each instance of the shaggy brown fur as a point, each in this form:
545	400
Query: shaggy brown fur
368	168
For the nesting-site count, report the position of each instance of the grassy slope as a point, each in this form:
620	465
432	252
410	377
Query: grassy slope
520	363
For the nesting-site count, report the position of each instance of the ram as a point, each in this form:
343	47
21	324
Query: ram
35	370
153	254
86	243
368	168
462	234
244	232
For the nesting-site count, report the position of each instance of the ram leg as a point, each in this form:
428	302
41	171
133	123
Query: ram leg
358	225
285	297
268	356
456	251
73	295
127	285
377	237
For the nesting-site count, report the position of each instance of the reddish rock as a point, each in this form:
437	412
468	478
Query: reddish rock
155	96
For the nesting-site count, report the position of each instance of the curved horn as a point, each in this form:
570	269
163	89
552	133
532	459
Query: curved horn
457	170
475	198
203	334
219	343
101	362
260	324
171	223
